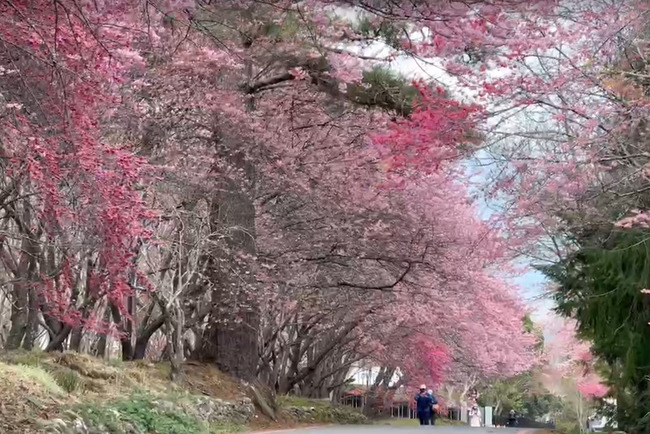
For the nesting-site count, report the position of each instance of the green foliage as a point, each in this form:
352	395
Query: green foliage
542	404
386	30
143	413
567	427
339	414
137	398
384	88
507	394
530	327
600	286
522	393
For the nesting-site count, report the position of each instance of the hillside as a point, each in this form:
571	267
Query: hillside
67	393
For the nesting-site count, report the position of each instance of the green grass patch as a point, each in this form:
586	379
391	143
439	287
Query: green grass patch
27	358
340	414
111	397
34	374
320	411
35	364
69	380
145	414
116	363
297	401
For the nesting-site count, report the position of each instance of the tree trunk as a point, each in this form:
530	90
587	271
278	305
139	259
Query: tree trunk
3	297
56	344
232	348
142	341
54	326
19	317
174	320
75	339
32	321
125	337
100	350
20	306
231	339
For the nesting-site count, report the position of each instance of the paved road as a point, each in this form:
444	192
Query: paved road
389	429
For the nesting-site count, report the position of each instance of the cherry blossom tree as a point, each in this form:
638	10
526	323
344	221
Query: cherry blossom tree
230	176
72	195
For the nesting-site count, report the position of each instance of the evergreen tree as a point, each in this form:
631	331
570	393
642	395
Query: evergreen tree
600	286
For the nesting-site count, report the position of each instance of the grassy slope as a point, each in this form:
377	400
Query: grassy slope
38	388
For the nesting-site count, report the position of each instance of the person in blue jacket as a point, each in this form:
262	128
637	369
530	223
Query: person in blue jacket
434	401
424	402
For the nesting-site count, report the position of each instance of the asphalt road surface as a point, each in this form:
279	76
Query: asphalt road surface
389	429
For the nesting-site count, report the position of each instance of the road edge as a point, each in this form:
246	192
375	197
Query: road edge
273	430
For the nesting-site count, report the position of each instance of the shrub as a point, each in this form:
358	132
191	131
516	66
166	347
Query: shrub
69	380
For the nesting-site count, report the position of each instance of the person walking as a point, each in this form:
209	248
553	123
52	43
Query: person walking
512	418
424	402
434	406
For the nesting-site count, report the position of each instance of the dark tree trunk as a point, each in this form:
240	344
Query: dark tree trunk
56	344
125	337
233	348
76	335
20	305
142	341
231	339
175	323
140	350
19	317
32	321
54	326
75	339
102	341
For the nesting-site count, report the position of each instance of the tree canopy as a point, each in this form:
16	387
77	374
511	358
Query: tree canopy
242	183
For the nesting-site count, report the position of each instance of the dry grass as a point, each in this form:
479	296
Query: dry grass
36	386
96	378
204	379
27	393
